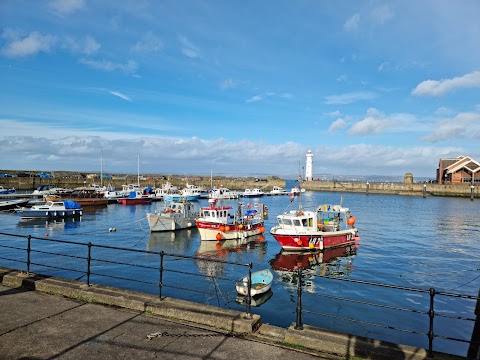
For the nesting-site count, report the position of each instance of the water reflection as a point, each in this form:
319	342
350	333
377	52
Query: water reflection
222	250
50	224
330	262
172	241
256	300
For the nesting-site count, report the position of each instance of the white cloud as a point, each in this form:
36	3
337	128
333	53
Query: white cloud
130	67
342	78
462	126
120	95
188	48
227	84
381	14
373	124
149	43
438	88
88	45
349	98
29	45
66	7
337	125
352	23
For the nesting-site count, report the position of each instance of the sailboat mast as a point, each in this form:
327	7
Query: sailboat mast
101	169
138	170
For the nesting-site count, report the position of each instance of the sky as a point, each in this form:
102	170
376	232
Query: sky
239	88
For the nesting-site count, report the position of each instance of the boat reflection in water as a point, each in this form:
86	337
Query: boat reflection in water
226	250
256	300
51	224
330	262
179	241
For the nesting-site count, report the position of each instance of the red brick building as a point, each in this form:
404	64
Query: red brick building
460	170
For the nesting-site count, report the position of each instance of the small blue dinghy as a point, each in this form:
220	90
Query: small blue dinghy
261	283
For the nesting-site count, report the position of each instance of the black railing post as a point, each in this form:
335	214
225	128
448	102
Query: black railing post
431	314
160	282
298	323
248	314
29	238
89	260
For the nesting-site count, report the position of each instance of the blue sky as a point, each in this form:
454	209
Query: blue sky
239	87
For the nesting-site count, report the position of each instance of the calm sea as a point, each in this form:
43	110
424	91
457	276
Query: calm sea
407	241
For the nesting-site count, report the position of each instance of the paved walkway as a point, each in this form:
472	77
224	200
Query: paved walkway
35	325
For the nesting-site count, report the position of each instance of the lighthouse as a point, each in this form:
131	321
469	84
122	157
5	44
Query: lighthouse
309	166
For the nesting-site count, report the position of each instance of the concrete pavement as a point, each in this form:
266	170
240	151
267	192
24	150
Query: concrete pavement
50	318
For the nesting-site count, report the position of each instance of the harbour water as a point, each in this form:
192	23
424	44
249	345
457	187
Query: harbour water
408	241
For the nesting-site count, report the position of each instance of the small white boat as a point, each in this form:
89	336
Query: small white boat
255	192
221	193
261	283
176	215
51	209
12	204
4	191
296	191
277	190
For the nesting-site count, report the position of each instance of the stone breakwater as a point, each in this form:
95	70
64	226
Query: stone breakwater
415	189
419	189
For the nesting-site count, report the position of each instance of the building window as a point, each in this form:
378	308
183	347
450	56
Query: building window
467	180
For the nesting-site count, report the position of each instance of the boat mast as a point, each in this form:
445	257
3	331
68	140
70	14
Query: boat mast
101	169
138	170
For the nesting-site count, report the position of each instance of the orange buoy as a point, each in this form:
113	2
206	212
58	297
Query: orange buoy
222	228
351	220
46	234
240	227
219	236
262	229
227	228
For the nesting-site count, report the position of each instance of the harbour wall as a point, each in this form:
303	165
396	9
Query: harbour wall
414	189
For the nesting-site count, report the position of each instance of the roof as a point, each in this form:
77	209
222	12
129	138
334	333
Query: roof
462	162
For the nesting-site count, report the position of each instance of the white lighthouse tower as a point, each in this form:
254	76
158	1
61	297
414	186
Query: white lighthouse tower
309	167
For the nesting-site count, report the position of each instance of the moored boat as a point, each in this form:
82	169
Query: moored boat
255	192
51	209
277	190
84	196
135	198
222	193
12	204
261	283
4	191
175	216
326	227
217	222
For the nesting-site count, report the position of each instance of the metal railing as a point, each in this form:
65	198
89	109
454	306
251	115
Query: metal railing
89	265
431	313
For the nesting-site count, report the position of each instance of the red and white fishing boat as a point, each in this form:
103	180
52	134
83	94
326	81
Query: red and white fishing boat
217	222
327	227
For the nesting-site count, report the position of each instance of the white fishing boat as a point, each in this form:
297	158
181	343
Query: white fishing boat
222	193
255	192
175	216
277	190
261	283
51	209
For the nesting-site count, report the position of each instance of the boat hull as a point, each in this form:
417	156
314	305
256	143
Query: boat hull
12	204
81	201
213	231
49	214
162	223
314	241
261	283
134	201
